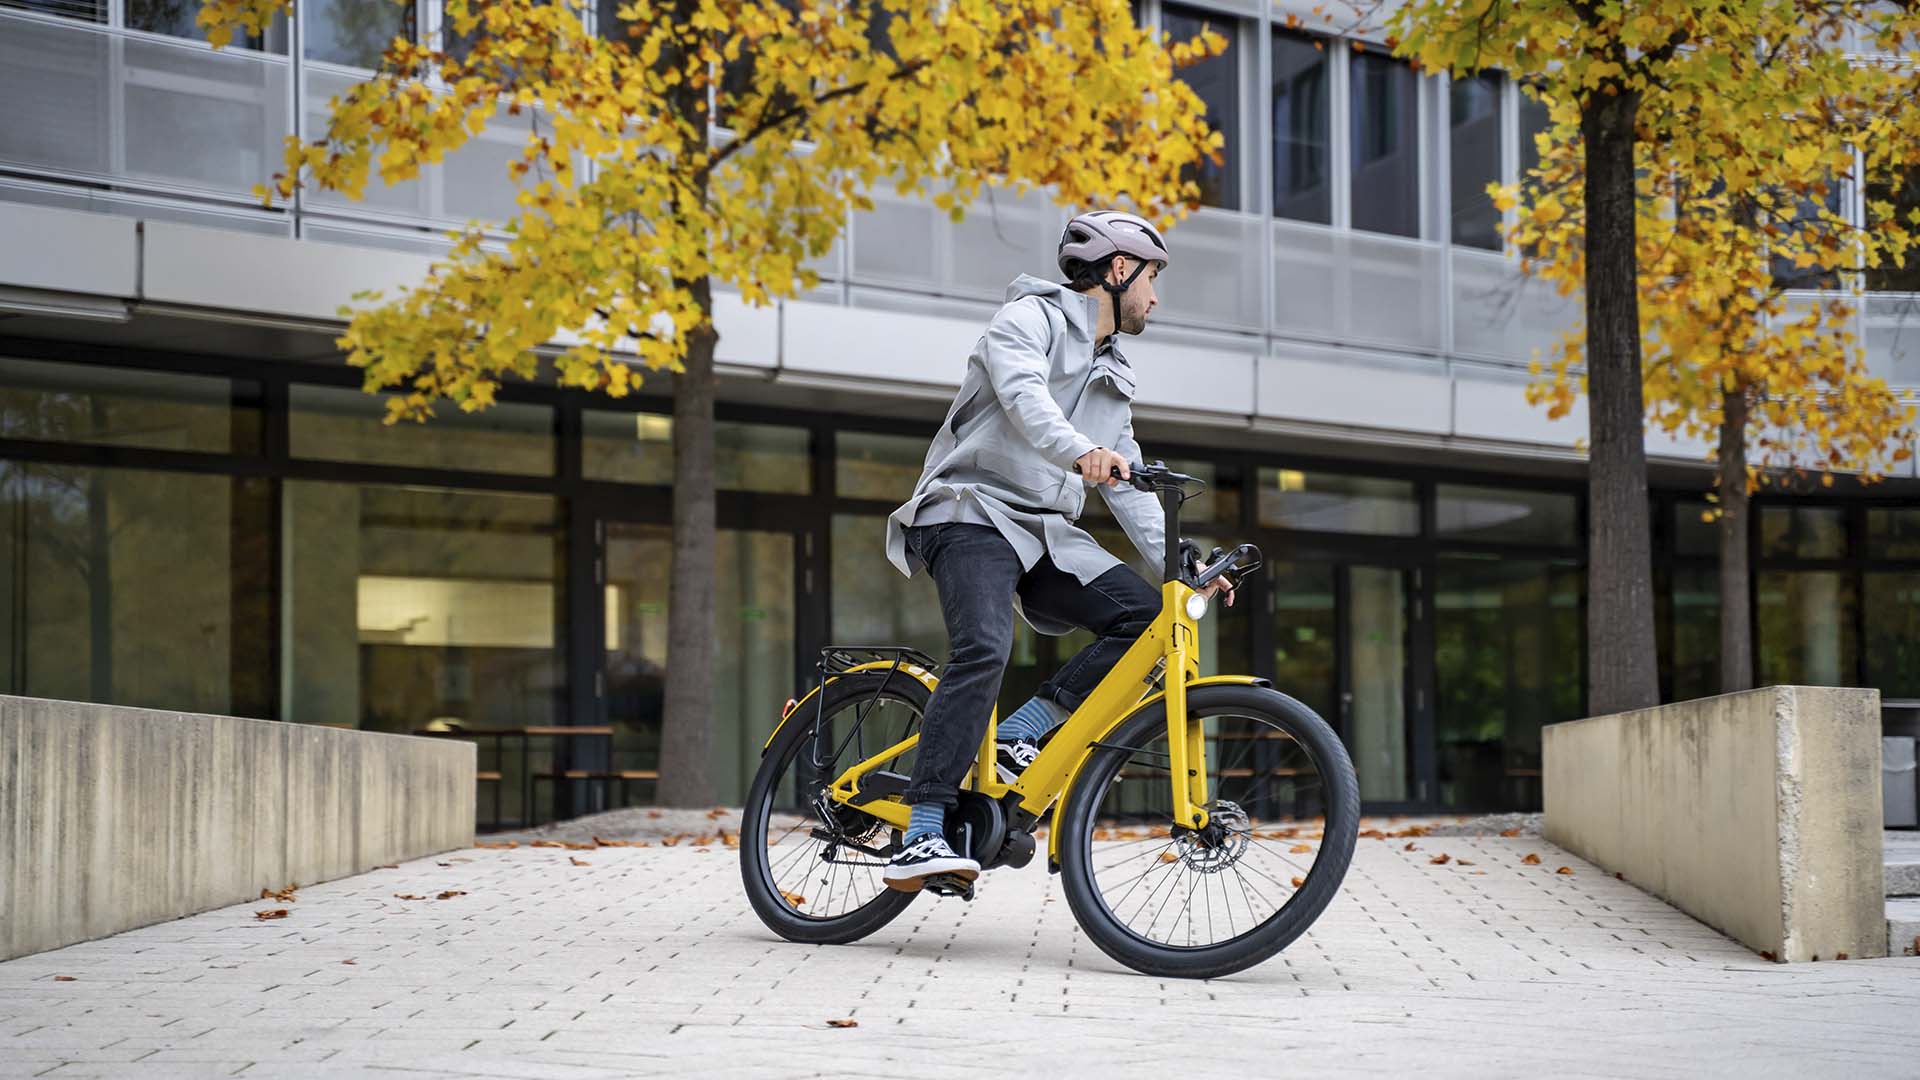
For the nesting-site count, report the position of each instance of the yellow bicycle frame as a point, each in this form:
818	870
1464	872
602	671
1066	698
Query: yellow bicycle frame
1168	651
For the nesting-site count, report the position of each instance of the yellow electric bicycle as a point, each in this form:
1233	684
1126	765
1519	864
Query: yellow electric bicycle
1200	825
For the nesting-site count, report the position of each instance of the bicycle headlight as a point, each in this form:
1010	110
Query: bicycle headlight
1197	606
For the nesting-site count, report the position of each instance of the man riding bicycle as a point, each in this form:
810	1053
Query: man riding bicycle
1045	409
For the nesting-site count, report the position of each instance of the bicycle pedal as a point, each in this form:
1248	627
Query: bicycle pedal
949	885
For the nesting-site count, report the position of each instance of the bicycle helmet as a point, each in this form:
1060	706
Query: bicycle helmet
1093	237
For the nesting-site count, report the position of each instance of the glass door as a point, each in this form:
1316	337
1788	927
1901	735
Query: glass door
757	573
1341	637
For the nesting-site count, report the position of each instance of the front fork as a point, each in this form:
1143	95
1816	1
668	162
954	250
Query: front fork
1186	746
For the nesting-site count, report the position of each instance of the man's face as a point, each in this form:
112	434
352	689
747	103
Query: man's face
1130	317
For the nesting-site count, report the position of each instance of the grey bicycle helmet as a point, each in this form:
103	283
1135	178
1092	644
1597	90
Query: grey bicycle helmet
1095	236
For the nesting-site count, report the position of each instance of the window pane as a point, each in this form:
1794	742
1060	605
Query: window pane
1806	628
1508	656
1893	633
870	466
355	33
1302	161
407	606
175	18
1474	154
331	423
1696	632
1218	504
93	11
1534	119
1803	532
108	406
1691	534
1807	209
1386	145
1306	634
1893	534
1903	194
1217	82
1504	515
637	448
872	603
134	587
1332	502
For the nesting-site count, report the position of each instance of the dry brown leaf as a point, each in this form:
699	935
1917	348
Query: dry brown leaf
350	960
793	898
450	894
843	1023
1441	859
1839	956
670	841
388	866
1765	955
706	840
653	813
1479	873
491	846
1168	856
580	847
285	895
730	840
276	913
65	978
1618	876
1297	882
1299	849
1567	870
1463	862
407	896
643	843
717	813
1531	860
547	843
1409	847
602	842
578	862
1509	833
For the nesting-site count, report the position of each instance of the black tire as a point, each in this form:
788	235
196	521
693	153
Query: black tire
1098	783
764	869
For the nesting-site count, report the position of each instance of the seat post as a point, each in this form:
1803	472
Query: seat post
1170	498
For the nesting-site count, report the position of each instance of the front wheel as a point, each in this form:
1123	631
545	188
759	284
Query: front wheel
1167	900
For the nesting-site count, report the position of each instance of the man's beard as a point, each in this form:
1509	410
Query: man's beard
1132	321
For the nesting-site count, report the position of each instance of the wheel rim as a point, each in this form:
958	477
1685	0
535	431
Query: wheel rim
1173	887
814	863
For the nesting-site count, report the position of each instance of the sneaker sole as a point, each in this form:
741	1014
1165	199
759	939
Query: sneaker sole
920	875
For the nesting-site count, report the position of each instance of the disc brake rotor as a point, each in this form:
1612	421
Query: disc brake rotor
1220	844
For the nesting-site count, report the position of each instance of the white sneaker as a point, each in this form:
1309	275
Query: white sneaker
929	856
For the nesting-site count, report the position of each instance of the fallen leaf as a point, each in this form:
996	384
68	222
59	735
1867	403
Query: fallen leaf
1409	847
1816	958
601	842
285	895
1299	849
643	843
578	862
730	840
1168	856
388	866
580	847
547	843
1618	876
670	841
1479	873
793	898
1531	860
490	845
705	841
702	851
1567	870
1464	862
1765	955
1509	833
459	858
65	978
276	913
653	813
407	896
1441	859
843	1023
717	813
443	864
450	894
350	960
1839	956
1297	882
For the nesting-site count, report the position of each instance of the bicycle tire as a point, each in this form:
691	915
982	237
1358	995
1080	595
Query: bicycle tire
756	865
1078	821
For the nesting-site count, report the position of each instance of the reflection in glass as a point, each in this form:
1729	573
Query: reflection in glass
1475	159
1302	185
132	587
355	33
1803	532
1218	504
93	11
1334	502
1305	634
1505	515
108	406
1386	145
330	423
1893	633
1377	656
1693	532
871	466
1508	654
637	448
1893	534
872	603
1216	80
176	18
1901	195
1695	660
1806	628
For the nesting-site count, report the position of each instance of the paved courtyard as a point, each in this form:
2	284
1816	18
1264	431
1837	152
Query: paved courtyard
647	962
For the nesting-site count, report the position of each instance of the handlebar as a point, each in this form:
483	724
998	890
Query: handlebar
1183	561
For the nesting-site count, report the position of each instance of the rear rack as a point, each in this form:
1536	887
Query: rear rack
839	659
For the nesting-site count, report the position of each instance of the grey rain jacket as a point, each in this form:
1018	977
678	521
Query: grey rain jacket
1034	399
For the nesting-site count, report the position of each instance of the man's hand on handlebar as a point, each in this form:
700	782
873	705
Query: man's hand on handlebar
1217	586
1102	466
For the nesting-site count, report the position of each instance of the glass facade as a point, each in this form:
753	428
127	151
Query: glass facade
1385	133
1302	130
1473	155
1216	80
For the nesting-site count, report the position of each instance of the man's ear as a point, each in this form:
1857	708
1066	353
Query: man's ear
1117	269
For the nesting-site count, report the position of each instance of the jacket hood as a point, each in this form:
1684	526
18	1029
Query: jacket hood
1081	310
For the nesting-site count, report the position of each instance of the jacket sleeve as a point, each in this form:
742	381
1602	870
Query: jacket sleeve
1139	513
1017	366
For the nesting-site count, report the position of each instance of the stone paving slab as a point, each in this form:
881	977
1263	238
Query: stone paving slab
647	962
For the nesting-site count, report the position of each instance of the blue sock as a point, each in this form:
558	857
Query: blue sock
926	819
1030	721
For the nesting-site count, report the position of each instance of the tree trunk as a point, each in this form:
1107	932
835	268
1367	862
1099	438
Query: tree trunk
686	733
1736	610
1623	671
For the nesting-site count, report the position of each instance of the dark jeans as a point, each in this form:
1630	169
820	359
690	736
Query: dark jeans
977	573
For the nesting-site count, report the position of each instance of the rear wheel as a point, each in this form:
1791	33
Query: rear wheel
812	868
1168	900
